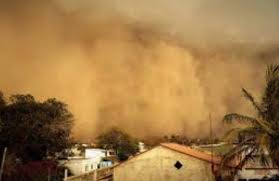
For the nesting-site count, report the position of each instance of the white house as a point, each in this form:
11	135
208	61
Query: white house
78	166
93	158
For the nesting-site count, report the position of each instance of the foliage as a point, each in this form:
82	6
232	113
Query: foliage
261	134
184	140
220	150
32	129
120	141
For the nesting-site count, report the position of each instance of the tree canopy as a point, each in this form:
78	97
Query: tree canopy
120	141
32	129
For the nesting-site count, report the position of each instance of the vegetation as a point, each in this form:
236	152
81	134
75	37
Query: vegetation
120	141
261	134
220	150
32	130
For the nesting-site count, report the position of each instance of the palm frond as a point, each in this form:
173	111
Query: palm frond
253	101
263	141
233	134
237	153
271	94
264	160
246	119
234	155
272	72
238	117
266	126
248	156
262	148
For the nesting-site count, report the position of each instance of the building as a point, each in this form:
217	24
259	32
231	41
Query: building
252	170
91	159
79	165
168	162
255	170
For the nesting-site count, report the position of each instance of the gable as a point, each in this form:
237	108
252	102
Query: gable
161	152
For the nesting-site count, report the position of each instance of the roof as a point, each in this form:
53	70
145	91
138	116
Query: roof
192	152
185	150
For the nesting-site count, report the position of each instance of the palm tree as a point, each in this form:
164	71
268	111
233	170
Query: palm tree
261	134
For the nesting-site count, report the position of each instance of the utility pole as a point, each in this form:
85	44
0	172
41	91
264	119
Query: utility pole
211	140
3	163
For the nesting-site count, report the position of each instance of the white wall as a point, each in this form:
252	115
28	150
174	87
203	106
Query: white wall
158	164
256	173
92	159
95	153
80	166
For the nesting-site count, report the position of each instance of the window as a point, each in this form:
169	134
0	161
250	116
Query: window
86	168
92	167
178	165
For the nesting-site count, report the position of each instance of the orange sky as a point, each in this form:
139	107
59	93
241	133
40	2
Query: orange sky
150	67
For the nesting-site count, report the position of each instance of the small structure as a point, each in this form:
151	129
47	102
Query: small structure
168	162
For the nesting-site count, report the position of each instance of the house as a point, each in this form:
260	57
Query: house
90	159
79	165
255	170
168	162
252	170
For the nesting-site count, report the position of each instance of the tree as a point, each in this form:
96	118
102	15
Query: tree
120	141
261	134
2	100
33	130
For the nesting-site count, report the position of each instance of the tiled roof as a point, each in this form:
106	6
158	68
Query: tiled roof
193	152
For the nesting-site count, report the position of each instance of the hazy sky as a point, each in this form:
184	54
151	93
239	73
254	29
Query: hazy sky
153	67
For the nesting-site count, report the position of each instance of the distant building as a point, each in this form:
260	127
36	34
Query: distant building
78	166
89	160
168	162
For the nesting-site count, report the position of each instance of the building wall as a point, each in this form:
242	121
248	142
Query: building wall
95	153
158	164
256	173
80	166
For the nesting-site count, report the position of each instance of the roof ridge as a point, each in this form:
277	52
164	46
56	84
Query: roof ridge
192	152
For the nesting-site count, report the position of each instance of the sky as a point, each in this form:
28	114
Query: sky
151	67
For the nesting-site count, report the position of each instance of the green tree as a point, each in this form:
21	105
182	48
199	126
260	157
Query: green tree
32	129
261	134
120	141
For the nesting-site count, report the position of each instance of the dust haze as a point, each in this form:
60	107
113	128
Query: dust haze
151	67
